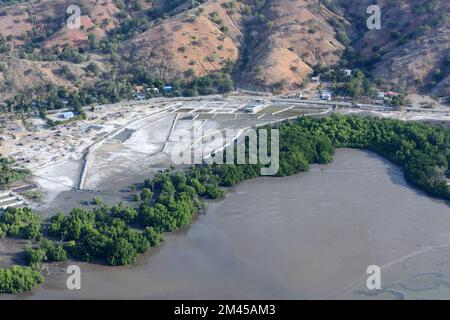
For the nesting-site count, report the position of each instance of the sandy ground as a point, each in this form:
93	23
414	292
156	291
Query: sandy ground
423	101
11	252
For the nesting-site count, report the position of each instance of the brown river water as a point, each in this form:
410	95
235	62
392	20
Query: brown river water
309	236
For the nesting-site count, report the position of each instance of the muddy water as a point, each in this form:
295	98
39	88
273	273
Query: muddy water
308	236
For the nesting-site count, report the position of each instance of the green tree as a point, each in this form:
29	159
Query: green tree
121	252
18	279
21	222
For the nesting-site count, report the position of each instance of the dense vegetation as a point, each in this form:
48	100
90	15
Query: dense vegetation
9	174
422	150
47	251
117	235
48	97
18	279
355	85
4	3
167	203
20	222
359	84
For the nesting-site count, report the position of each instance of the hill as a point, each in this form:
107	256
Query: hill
271	45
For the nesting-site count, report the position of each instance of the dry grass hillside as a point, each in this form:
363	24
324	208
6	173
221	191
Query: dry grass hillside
50	16
412	45
296	36
282	49
272	44
22	74
46	19
200	40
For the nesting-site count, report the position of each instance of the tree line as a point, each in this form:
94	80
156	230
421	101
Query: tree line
48	97
422	150
9	174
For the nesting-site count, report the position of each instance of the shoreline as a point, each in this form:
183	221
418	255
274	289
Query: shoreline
58	267
149	263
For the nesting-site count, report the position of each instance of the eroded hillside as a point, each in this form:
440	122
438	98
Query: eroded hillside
285	40
268	45
274	43
195	42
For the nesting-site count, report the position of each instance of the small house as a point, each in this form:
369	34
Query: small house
325	95
167	88
348	72
68	115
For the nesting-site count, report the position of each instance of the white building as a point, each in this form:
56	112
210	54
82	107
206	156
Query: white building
254	107
153	90
10	199
68	115
325	95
